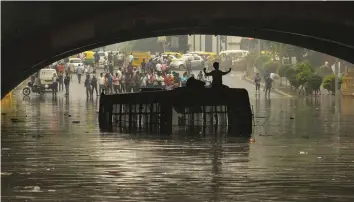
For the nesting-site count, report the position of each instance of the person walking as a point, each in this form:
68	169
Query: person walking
257	81
87	84
122	82
184	79
79	71
268	86
110	58
55	80
67	83
109	83
143	66
266	76
110	68
97	59
70	69
101	83
131	57
61	81
94	85
116	85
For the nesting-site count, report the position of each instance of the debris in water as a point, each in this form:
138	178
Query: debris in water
36	188
37	136
5	174
292	117
252	140
76	122
51	190
3	113
302	152
14	120
114	172
69	115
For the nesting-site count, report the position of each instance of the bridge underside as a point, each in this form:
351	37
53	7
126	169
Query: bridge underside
35	34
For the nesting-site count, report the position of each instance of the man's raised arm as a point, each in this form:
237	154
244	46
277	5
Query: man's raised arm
206	74
224	73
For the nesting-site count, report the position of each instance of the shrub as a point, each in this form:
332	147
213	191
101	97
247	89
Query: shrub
282	70
293	81
290	74
303	77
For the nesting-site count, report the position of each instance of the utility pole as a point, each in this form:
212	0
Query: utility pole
336	86
336	78
259	48
217	44
164	46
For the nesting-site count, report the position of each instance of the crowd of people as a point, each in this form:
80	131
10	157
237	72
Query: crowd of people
153	73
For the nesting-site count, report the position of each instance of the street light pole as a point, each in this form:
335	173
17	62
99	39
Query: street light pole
336	78
259	48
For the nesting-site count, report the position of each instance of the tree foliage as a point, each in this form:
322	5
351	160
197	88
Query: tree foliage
314	83
329	83
271	66
282	70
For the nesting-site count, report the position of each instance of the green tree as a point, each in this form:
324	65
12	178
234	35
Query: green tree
260	63
282	72
314	83
329	83
290	74
303	67
271	66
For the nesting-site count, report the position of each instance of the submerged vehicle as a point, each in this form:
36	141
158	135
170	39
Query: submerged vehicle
156	109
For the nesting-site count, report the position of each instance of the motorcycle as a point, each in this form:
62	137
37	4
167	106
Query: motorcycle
33	88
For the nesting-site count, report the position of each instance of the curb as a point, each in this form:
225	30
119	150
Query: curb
274	89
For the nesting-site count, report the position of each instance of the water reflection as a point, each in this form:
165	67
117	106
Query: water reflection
303	152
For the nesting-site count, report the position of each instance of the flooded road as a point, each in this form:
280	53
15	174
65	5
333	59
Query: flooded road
303	152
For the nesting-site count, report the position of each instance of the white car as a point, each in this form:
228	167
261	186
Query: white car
74	63
46	77
197	62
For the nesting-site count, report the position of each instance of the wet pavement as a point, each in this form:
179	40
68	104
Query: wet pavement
303	152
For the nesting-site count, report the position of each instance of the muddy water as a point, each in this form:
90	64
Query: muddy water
303	152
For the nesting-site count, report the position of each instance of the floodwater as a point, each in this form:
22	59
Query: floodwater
303	152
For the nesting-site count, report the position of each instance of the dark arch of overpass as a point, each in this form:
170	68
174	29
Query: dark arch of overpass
35	34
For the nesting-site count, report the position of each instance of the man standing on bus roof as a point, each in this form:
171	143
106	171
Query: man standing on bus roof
217	76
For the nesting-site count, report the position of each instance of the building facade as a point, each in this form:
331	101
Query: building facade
212	43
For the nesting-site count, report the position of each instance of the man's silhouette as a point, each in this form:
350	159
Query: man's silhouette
217	76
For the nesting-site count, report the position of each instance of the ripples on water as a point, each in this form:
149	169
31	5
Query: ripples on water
45	157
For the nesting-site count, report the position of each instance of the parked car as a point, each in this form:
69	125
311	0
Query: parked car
196	60
74	63
46	77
